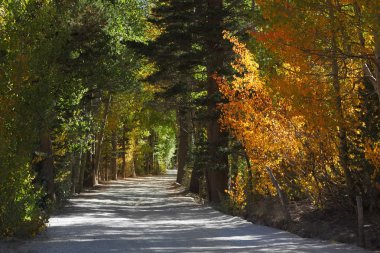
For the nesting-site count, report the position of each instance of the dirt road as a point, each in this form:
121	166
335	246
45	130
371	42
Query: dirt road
148	215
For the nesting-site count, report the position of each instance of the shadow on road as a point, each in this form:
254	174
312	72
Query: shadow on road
136	215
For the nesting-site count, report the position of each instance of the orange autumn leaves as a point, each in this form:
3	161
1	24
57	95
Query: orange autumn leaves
303	112
278	121
256	118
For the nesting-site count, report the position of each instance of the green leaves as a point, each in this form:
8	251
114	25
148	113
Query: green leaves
57	59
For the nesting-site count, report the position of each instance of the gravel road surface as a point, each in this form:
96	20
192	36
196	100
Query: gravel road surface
148	215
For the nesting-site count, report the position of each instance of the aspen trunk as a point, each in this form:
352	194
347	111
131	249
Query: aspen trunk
72	169
114	156
98	148
374	78
359	210
279	193
134	159
75	170
377	55
124	150
249	187
149	159
376	86
89	168
156	165
79	187
106	171
47	165
342	132
134	162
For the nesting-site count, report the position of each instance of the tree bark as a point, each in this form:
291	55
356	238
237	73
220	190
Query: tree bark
114	155
196	174
79	187
149	156
183	143
359	210
373	78
217	169
134	162
75	170
134	158
249	187
106	171
72	168
47	165
90	166
156	165
368	77
377	54
342	132
280	194
124	150
98	148
198	170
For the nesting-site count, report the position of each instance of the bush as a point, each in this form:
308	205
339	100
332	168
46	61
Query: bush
20	215
236	200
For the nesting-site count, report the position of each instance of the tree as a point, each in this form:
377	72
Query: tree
57	61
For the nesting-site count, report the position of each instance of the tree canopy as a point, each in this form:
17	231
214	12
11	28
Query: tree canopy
248	100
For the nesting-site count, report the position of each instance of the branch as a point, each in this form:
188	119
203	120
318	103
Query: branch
371	77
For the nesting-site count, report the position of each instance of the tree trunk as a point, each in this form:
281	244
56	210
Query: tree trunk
199	154
377	54
79	187
106	171
134	162
92	163
250	187
374	79
47	165
359	210
280	194
124	150
114	156
72	169
75	170
134	158
196	175
98	148
368	77
342	132
149	155
89	168
183	143
156	165
217	169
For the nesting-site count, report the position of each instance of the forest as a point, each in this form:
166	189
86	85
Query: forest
255	103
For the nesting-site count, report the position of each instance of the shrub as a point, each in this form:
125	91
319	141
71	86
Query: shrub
20	214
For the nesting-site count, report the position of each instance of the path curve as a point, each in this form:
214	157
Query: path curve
148	215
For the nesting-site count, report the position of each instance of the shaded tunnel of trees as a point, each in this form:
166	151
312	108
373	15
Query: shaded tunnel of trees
248	100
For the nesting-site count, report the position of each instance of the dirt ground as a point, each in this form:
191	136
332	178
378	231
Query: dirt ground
308	221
